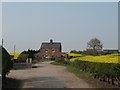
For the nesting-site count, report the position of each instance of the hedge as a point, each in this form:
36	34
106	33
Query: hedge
6	62
108	72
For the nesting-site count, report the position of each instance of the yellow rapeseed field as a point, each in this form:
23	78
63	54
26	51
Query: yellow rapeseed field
110	58
73	54
16	55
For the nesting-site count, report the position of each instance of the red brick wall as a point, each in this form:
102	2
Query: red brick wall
50	53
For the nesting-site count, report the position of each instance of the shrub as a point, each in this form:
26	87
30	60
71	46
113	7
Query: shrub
6	62
52	58
34	61
23	57
60	59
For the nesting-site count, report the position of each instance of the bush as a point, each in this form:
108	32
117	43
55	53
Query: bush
53	59
34	61
60	59
23	57
6	62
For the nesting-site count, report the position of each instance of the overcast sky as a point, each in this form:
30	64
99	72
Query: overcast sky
27	25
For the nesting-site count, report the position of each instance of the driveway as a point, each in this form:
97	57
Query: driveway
45	75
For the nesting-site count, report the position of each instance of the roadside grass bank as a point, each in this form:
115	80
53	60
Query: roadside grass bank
10	83
78	72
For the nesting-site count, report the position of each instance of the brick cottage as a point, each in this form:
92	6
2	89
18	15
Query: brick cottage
50	50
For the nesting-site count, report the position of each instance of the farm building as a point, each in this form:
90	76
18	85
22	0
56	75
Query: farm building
104	51
110	51
50	50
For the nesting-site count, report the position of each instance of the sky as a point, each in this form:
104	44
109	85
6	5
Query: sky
27	25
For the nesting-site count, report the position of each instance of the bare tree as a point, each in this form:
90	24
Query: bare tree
94	44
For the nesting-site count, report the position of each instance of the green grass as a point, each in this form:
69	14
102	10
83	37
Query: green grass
78	72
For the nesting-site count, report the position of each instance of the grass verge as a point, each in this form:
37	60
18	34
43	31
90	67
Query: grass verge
78	72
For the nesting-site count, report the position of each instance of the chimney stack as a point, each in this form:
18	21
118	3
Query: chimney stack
51	41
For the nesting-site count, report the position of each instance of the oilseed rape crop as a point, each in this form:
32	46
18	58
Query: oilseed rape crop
16	55
110	58
73	54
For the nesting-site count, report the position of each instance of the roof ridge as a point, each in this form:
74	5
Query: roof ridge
49	42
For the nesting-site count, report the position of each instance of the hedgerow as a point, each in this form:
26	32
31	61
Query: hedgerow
6	62
108	72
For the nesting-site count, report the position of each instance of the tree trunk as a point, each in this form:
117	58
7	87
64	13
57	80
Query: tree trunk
108	80
118	81
104	78
112	81
94	75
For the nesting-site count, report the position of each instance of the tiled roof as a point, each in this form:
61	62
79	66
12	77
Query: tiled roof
50	45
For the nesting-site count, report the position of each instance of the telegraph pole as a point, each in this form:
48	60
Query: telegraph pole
2	42
14	51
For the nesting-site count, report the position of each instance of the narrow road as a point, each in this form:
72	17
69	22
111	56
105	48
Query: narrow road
46	75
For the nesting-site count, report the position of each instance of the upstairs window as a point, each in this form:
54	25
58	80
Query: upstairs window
53	50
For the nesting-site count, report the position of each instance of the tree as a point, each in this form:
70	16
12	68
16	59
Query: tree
27	54
6	62
94	44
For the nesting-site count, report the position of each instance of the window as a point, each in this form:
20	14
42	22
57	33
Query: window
46	56
53	50
53	56
46	50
